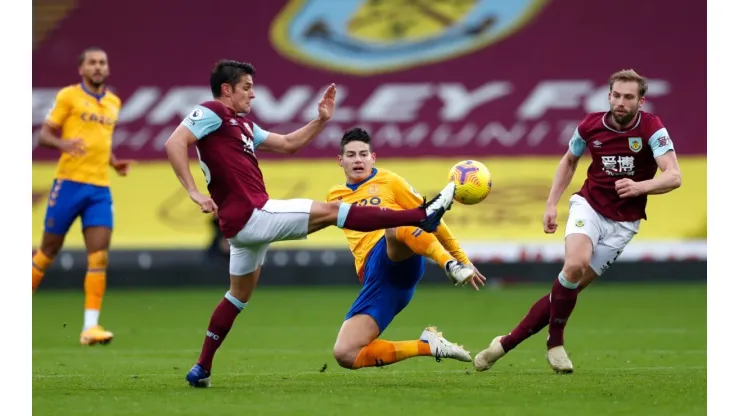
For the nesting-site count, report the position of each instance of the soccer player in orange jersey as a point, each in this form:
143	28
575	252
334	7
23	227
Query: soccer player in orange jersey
390	264
81	125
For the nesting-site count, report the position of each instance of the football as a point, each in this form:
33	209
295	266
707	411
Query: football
472	180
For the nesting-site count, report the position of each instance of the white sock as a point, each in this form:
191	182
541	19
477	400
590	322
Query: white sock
91	318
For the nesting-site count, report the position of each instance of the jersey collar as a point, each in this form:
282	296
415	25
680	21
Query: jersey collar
92	94
608	125
354	186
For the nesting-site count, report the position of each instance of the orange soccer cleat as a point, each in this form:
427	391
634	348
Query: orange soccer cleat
95	335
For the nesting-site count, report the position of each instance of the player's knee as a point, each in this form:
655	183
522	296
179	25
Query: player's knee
51	247
97	260
50	251
575	267
396	248
345	355
390	235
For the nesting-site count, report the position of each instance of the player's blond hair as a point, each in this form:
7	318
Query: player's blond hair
628	75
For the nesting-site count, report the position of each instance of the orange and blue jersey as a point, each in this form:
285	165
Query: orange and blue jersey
386	189
387	286
81	183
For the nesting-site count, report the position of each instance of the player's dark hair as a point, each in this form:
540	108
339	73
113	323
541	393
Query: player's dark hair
228	72
83	55
355	134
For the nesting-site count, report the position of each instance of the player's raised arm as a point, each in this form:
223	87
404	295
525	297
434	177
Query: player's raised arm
295	141
563	177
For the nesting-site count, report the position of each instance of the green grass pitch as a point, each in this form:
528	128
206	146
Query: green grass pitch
637	350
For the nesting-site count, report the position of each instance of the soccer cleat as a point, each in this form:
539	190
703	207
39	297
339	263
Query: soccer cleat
95	335
441	348
559	361
437	207
198	377
486	358
459	273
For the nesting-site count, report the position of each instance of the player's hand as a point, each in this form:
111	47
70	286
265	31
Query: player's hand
549	222
122	166
627	188
478	279
75	147
206	204
326	105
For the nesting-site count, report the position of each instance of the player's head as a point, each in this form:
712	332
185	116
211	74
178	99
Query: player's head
356	155
93	66
627	91
232	84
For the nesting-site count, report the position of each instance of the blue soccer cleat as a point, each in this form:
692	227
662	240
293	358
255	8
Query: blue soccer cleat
198	377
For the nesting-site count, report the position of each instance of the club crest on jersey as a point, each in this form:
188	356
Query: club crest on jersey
579	223
366	37
373	189
635	144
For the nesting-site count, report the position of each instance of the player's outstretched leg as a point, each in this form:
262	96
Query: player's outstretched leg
533	322
427	245
380	353
371	218
357	345
537	318
223	317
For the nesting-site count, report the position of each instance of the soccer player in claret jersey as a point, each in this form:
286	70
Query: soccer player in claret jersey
226	143
81	125
627	146
390	264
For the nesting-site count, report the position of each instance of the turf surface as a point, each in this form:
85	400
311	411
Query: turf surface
637	350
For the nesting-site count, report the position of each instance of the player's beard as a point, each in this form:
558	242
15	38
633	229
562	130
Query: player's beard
96	82
625	119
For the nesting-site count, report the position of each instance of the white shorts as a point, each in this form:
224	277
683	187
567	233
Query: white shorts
278	220
609	237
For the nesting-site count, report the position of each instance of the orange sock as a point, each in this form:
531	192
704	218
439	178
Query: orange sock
97	263
379	352
40	263
424	244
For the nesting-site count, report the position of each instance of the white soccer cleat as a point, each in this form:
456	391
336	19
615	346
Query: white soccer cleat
441	348
443	200
486	358
436	208
559	361
458	272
